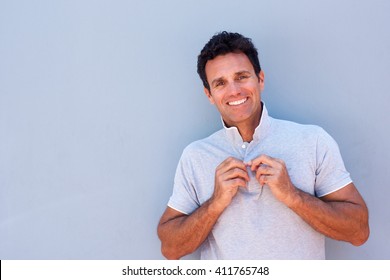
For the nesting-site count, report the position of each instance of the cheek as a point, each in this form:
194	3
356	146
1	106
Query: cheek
216	98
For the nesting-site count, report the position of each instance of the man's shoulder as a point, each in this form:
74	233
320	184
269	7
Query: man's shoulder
286	126
214	139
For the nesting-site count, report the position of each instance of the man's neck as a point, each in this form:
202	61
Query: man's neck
248	127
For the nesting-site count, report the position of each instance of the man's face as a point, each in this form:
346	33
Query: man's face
234	88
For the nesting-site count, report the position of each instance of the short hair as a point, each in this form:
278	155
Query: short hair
223	43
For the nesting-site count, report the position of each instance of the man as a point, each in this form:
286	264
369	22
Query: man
260	188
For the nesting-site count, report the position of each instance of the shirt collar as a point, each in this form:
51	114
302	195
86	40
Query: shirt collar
260	131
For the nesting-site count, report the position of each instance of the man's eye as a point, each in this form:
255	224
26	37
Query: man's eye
220	83
242	77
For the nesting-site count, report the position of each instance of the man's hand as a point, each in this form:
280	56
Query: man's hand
182	234
273	173
341	215
229	176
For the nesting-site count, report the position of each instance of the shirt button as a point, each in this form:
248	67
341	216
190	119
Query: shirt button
243	146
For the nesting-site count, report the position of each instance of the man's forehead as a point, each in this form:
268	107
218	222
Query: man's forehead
228	64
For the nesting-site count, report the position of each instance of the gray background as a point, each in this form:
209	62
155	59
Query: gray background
98	99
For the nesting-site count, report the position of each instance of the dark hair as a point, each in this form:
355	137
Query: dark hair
224	43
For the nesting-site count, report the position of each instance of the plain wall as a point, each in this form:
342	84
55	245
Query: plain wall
99	98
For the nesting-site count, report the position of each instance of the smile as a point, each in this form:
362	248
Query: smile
238	102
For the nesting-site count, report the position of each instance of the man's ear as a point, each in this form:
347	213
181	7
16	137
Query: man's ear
261	79
209	96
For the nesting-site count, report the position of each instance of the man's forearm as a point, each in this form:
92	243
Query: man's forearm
184	234
340	220
340	215
181	234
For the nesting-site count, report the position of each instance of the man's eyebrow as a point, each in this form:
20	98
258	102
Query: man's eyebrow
243	72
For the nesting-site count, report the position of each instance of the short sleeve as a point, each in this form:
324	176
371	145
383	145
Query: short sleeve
184	198
331	174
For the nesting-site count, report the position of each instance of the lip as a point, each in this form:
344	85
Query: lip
238	102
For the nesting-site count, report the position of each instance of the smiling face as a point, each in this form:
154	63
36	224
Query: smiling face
235	89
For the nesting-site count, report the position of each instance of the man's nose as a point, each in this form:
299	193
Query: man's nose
234	88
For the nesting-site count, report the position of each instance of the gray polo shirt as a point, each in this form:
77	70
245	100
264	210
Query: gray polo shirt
256	225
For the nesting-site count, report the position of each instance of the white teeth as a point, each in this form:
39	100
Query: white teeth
238	102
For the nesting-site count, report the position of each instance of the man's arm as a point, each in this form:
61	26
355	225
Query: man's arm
341	215
182	234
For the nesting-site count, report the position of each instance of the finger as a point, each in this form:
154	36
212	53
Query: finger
236	173
262	174
231	163
265	170
262	179
263	159
235	183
